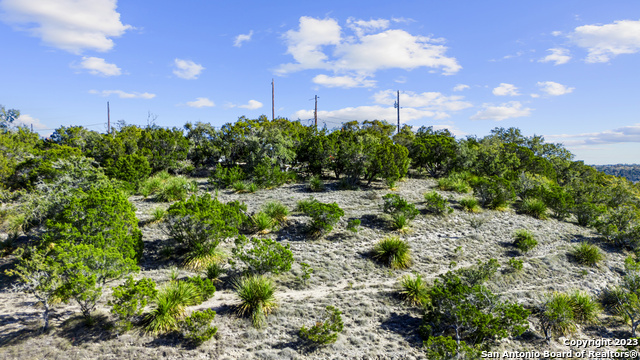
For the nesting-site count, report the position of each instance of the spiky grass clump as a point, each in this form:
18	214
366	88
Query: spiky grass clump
262	222
171	303
158	214
176	188
399	222
252	188
585	309
316	184
587	254
393	252
239	186
455	182
534	207
214	271
470	205
413	290
201	255
276	211
524	240
256	293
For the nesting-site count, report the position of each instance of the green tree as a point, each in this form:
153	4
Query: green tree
7	117
390	162
434	151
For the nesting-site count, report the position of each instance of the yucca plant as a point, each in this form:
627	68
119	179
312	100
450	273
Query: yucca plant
585	309
399	221
239	186
587	254
393	252
276	211
262	222
214	271
171	302
534	207
158	214
413	290
201	255
316	184
256	293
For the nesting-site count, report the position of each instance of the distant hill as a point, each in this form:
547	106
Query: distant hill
629	171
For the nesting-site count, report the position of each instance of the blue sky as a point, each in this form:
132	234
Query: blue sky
567	70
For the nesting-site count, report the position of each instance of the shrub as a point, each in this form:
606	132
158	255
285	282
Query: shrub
132	169
170	308
353	225
436	204
307	270
587	254
413	290
130	299
197	327
257	299
455	182
323	216
205	287
276	211
399	221
267	174
252	188
494	192
534	207
200	223
263	255
316	184
176	188
262	222
214	271
153	184
158	214
556	316
515	264
239	186
585	309
470	205
325	332
445	348
393	252
524	240
394	204
225	177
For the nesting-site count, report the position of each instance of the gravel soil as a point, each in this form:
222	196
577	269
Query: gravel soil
377	325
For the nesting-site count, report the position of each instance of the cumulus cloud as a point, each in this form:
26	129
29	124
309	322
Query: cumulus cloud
28	120
510	110
460	87
361	113
187	69
70	25
433	101
558	56
252	105
506	90
343	81
623	134
123	95
320	44
200	103
553	88
242	38
604	42
98	66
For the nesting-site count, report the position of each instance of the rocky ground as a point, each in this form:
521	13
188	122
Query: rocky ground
377	325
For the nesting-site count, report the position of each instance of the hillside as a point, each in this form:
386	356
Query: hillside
629	171
377	324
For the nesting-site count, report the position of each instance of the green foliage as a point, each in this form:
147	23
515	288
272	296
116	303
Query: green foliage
324	332
262	222
479	273
131	169
469	312
200	223
620	226
170	306
587	254
163	148
445	348
158	214
353	225
435	151
239	186
585	309
307	270
393	252
323	216
214	271
534	207
524	240
436	204
7	117
225	177
40	167
515	264
390	162
252	188
624	300
401	211
205	147
493	192
130	299
413	290
197	327
470	205
267	174
257	299
276	211
261	256
316	184
204	285
557	316
16	146
167	188
455	182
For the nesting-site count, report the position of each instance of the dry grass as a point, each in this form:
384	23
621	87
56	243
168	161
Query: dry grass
377	322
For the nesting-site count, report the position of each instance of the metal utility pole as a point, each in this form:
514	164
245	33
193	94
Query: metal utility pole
108	120
397	105
273	96
315	113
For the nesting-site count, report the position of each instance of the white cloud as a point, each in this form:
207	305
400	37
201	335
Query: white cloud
553	88
252	105
98	66
604	42
460	87
558	56
512	109
187	69
361	113
123	95
69	25
433	101
200	103
28	120
623	134
242	38
506	90
343	81
365	53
